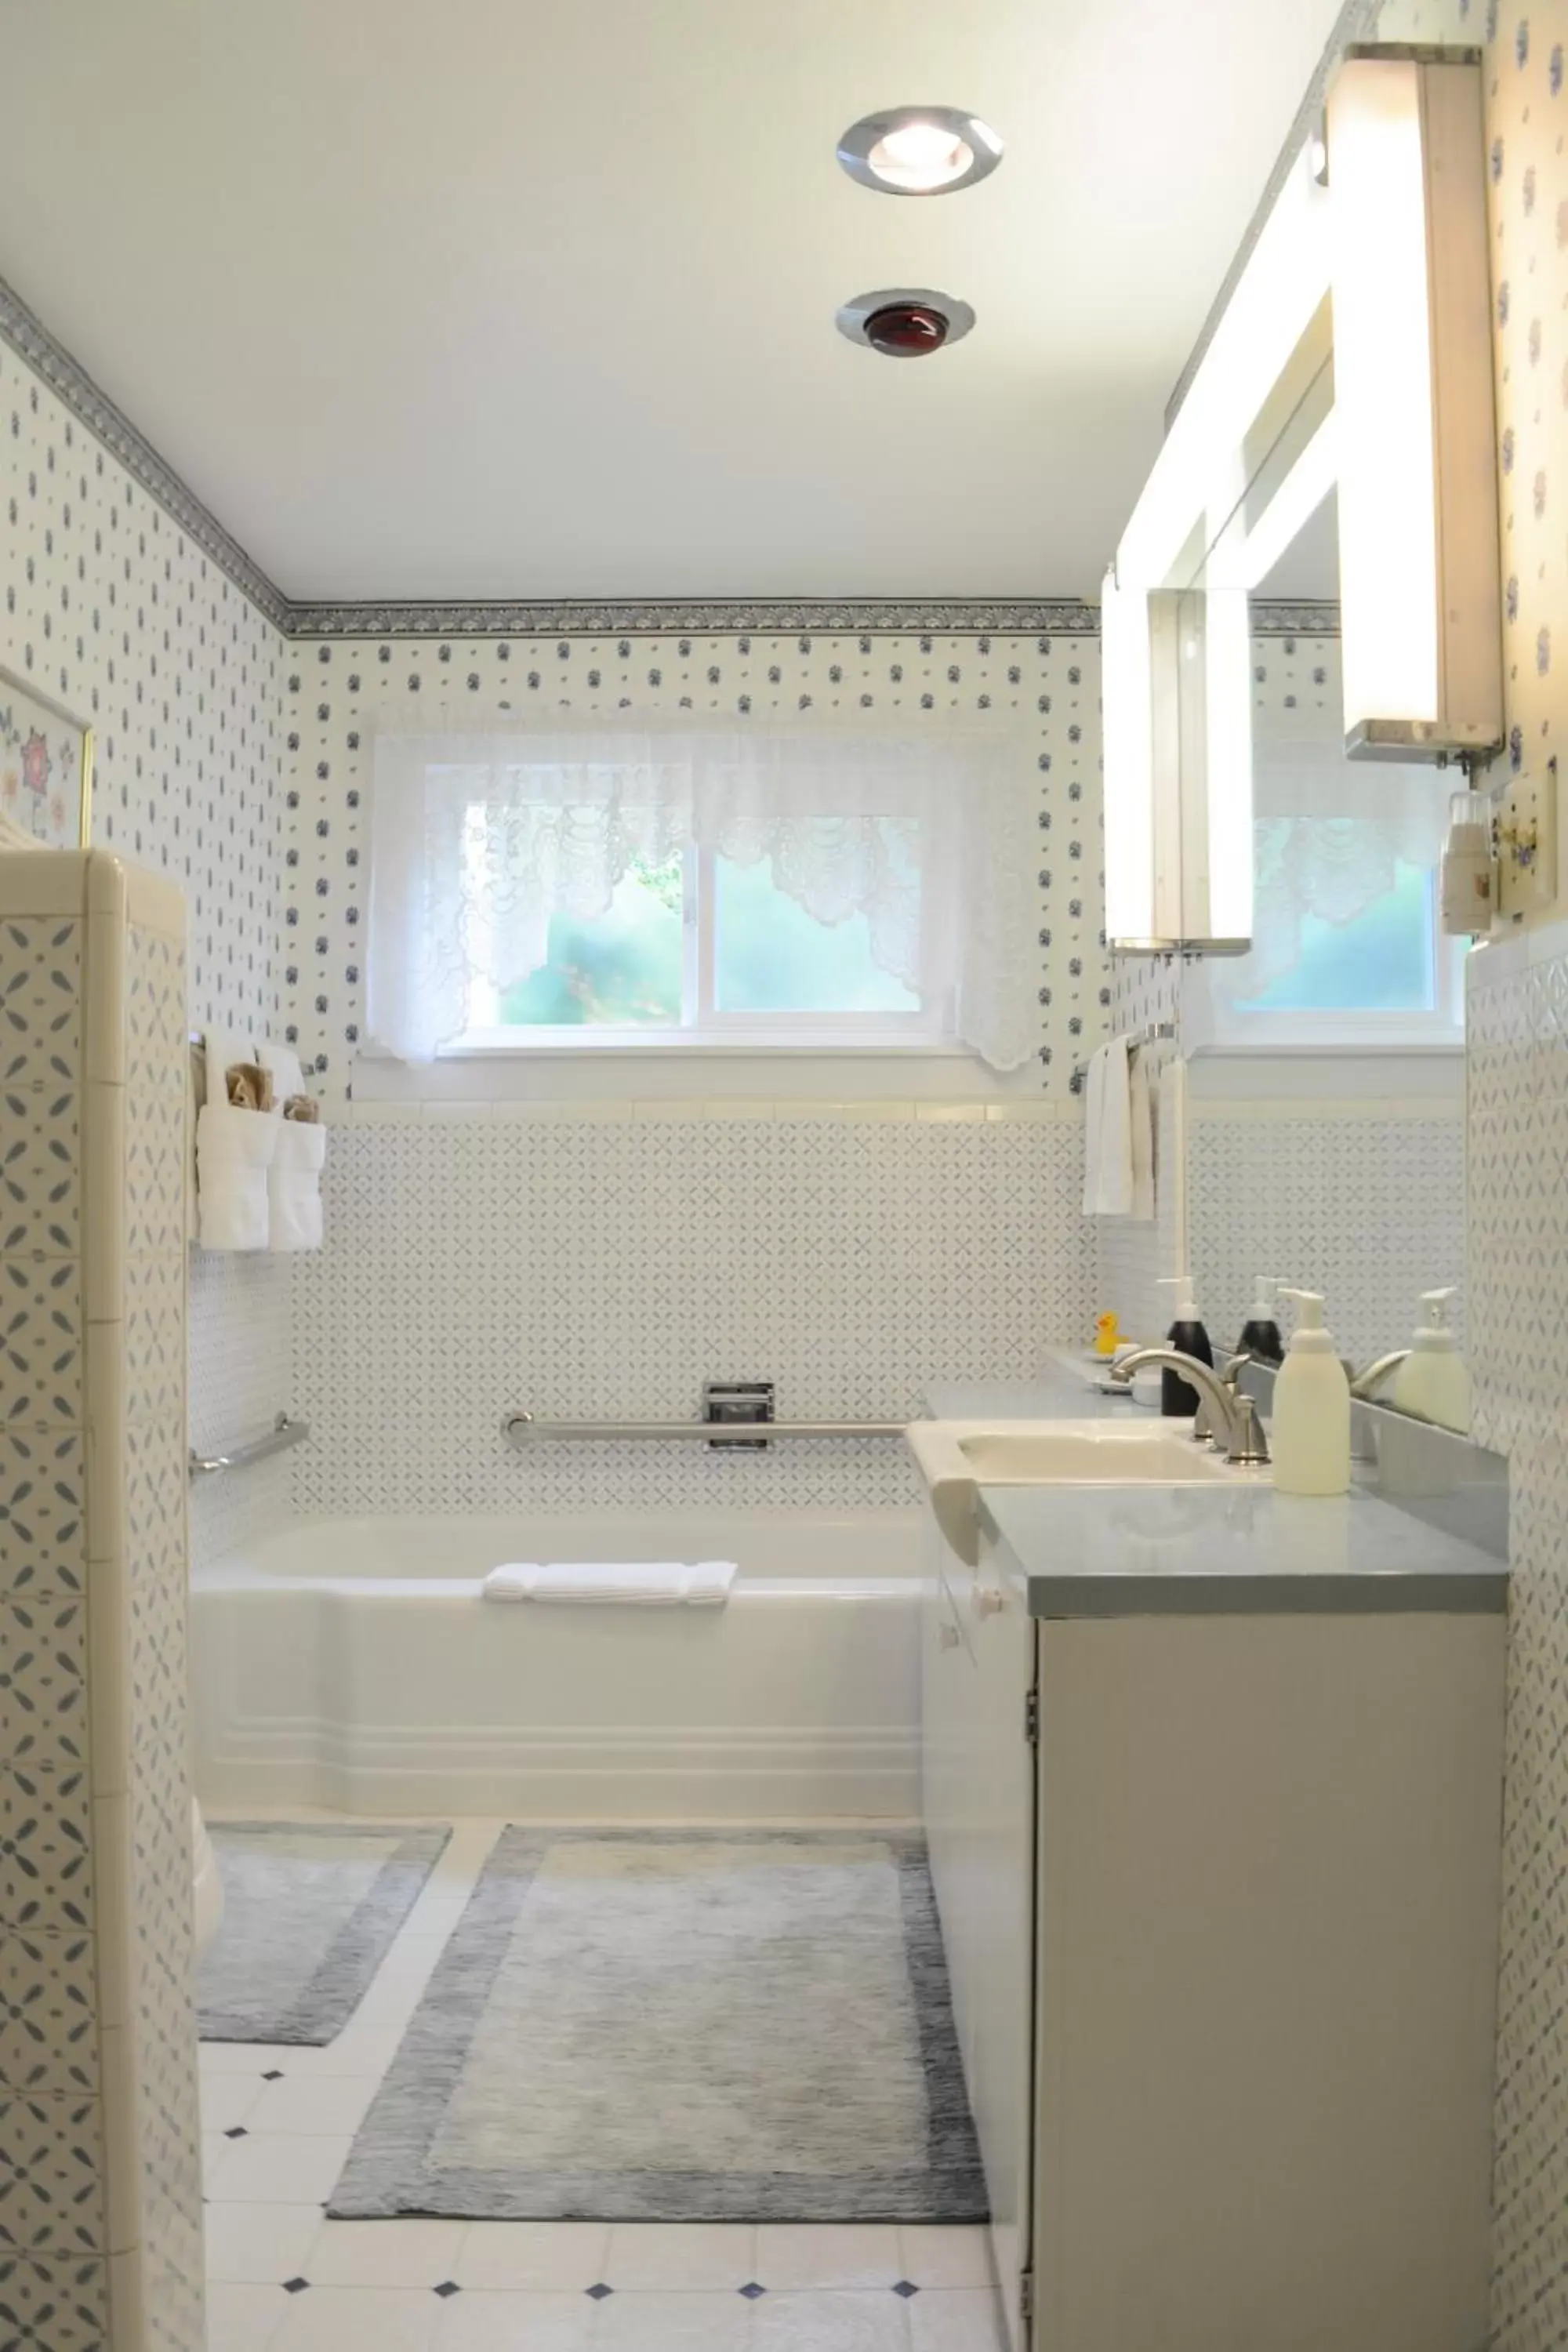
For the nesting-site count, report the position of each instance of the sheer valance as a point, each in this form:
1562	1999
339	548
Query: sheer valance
483	830
1330	837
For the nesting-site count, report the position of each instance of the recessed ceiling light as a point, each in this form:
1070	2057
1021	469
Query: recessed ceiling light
905	322
920	151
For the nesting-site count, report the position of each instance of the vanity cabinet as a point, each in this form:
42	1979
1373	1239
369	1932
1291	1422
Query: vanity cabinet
1219	1894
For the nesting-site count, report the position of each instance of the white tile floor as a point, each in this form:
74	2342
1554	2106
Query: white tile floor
283	2278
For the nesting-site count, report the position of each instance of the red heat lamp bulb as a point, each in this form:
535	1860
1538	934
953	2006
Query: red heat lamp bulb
905	330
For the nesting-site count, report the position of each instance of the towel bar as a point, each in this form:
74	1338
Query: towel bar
523	1429
283	1433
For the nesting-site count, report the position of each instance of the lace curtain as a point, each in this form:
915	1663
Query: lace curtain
1329	833
481	832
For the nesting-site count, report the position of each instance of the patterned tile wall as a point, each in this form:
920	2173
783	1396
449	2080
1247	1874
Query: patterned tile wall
54	2271
1517	1067
583	1269
1049	688
111	608
163	2019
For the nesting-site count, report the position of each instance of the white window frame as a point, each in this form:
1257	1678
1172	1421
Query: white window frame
709	1030
1217	1026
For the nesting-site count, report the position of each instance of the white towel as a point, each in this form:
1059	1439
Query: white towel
294	1186
282	1067
1141	1118
637	1584
1108	1133
234	1153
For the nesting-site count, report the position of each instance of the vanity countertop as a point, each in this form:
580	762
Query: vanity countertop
1220	1549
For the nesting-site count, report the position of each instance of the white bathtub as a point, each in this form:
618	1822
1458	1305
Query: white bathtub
352	1664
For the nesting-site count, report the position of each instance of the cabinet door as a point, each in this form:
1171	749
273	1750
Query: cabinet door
978	1773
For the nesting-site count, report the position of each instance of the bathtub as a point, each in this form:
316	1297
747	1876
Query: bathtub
352	1664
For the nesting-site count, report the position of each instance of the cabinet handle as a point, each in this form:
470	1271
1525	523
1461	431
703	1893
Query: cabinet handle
947	1636
988	1601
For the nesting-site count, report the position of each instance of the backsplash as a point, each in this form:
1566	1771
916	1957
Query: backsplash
111	609
1047	689
603	1269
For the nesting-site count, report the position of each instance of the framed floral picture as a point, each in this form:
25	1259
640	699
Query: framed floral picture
46	770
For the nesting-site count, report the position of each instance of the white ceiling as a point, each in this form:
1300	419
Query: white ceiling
496	297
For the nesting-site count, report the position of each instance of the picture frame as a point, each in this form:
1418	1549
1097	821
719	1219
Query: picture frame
46	769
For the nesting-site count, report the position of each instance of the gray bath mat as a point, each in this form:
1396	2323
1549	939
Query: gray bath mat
680	2026
309	1910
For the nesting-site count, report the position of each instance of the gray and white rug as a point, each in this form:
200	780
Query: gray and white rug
679	2026
308	1914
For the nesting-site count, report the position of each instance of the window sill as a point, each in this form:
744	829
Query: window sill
795	1047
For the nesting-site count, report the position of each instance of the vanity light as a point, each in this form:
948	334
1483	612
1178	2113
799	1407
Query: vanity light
1420	605
920	151
1178	771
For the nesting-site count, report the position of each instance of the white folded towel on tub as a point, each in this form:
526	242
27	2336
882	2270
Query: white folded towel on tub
639	1584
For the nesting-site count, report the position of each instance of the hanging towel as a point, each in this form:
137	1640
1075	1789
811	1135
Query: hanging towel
234	1153
283	1066
294	1186
637	1584
1108	1133
1142	1116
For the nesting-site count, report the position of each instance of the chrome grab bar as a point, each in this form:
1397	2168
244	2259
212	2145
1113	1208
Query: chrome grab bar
283	1433
523	1429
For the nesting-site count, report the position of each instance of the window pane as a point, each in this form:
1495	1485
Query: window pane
624	967
771	956
1382	960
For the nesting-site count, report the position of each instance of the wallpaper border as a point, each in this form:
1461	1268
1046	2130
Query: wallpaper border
64	375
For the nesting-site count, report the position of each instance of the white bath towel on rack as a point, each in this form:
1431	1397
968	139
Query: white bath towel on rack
294	1186
1108	1133
234	1153
636	1584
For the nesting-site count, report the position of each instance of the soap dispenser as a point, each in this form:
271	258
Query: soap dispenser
1311	1431
1260	1333
1433	1384
1177	1396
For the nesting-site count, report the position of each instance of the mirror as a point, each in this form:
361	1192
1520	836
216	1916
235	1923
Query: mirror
1309	1111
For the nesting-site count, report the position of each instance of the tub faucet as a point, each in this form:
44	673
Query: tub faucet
1231	1414
1365	1382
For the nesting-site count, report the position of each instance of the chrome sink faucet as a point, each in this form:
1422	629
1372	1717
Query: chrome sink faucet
1227	1413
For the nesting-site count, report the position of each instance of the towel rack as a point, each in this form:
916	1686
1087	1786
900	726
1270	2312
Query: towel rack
1156	1034
523	1429
283	1433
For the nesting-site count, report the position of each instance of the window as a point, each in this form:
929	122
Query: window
572	887
1348	950
700	948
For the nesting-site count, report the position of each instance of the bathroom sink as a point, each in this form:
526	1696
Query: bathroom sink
956	1458
1091	1455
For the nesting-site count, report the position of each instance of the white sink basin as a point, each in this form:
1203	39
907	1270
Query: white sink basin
1088	1453
956	1458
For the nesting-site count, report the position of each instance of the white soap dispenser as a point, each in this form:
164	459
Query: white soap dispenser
1433	1384
1310	1431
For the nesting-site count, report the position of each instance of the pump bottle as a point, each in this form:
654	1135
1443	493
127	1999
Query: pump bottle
1311	1431
1433	1384
1177	1396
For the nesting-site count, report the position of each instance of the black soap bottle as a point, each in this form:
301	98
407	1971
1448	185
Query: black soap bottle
1178	1398
1260	1333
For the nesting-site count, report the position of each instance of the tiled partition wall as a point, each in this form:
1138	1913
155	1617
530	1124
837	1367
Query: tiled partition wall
109	606
100	2238
601	1268
1517	1216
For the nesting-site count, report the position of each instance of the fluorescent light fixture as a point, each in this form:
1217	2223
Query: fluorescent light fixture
1178	771
1419	591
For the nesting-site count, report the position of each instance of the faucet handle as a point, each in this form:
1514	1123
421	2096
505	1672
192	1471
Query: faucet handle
1248	1446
